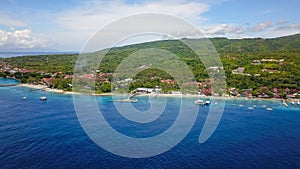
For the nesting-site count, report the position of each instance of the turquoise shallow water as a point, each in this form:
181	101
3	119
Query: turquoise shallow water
37	134
8	81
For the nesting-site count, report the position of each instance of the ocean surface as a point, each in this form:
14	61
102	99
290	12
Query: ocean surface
13	54
48	134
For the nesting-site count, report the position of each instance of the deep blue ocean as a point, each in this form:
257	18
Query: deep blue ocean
47	134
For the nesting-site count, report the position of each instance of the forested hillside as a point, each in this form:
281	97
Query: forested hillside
249	63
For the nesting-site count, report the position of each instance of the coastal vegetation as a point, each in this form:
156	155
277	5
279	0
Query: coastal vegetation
257	67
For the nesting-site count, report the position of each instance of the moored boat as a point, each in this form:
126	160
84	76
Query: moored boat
43	98
202	102
199	102
207	102
284	103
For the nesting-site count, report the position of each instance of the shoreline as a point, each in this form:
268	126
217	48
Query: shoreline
60	91
215	97
47	89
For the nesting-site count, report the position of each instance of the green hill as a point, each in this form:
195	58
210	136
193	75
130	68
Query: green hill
279	60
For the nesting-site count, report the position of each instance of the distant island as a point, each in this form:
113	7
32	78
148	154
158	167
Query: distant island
263	68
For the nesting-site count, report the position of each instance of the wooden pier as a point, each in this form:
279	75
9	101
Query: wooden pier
6	85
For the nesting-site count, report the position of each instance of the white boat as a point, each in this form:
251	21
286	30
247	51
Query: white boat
269	109
202	102
284	103
199	102
298	102
24	98
43	98
207	102
250	108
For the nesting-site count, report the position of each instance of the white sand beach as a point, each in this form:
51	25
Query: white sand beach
59	91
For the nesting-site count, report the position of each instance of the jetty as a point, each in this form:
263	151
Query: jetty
6	85
42	88
125	100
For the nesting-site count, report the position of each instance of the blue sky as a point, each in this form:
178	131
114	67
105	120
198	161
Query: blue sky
66	25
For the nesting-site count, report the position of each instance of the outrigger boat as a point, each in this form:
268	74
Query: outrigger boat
199	102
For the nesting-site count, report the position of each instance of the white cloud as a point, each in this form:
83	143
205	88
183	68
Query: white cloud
19	39
265	30
80	22
223	29
93	15
71	28
292	26
74	26
262	26
268	29
282	22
